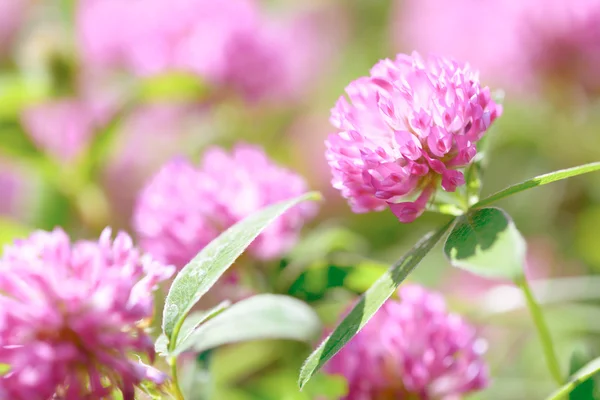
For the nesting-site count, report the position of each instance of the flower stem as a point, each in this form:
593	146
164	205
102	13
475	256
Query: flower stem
178	394
543	331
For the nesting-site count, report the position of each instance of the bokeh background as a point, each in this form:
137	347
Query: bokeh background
95	95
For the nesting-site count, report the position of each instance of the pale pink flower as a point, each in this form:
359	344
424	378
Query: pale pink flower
9	187
153	36
184	207
413	348
521	45
260	64
12	14
229	43
146	139
408	127
19	185
62	128
72	317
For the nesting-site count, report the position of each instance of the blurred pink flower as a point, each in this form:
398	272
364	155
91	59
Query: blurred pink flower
62	128
155	35
260	64
229	43
12	13
9	188
145	140
19	185
408	126
70	313
183	208
413	348
519	44
306	136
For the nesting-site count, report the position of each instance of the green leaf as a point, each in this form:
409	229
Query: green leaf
264	316
538	181
174	87
195	319
161	346
364	275
197	381
317	246
19	91
576	379
368	304
200	274
280	384
189	325
585	390
487	243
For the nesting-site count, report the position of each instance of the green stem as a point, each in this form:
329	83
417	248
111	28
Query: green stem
176	388
543	331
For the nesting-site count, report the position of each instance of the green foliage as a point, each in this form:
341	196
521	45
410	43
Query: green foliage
190	324
576	379
197	277
173	87
17	92
486	242
264	316
281	385
314	249
368	304
538	181
585	390
364	275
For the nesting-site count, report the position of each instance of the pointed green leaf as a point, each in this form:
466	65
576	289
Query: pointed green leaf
576	379
538	181
264	316
195	319
200	274
487	243
585	390
368	304
189	325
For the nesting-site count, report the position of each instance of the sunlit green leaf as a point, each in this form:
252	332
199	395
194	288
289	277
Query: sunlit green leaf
161	346
264	316
585	390
576	379
364	275
368	304
486	242
538	181
189	325
197	382
202	272
18	92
